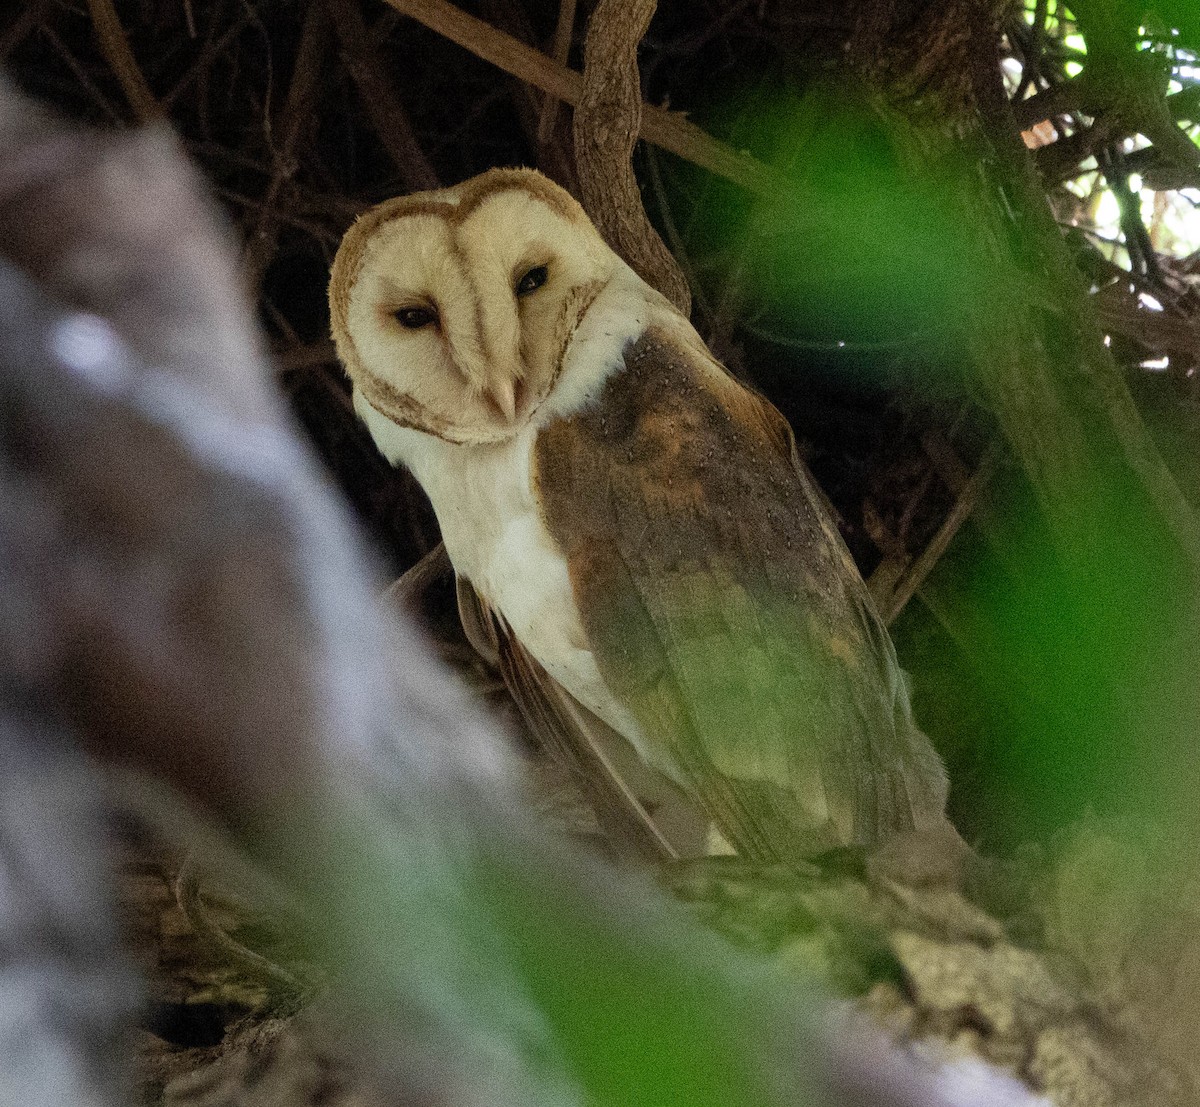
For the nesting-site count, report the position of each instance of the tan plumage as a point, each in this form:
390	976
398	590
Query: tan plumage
646	556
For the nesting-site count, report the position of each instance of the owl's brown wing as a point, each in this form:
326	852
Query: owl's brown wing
639	810
724	610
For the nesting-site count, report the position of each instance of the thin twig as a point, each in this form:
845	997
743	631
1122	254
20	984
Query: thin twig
297	111
379	98
678	248
279	319
209	53
315	230
19	29
306	356
407	590
914	576
955	475
561	51
116	50
187	896
1030	69
77	70
670	130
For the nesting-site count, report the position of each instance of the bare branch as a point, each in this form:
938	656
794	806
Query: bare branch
15	33
666	129
562	48
297	110
606	130
387	114
115	47
915	574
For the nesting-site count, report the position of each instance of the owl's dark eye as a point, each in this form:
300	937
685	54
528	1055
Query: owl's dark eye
535	278
414	318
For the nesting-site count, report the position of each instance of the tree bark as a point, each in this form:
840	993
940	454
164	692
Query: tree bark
607	119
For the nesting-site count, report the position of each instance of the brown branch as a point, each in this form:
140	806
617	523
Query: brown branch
562	48
297	111
115	48
186	887
315	230
406	591
914	576
1056	100
80	74
606	130
670	130
1185	104
305	356
1062	160
383	106
955	475
209	53
678	247
555	155
1159	332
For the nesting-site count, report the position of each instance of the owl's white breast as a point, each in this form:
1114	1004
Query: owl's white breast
495	536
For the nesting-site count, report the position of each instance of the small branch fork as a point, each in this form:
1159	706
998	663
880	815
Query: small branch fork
666	129
897	578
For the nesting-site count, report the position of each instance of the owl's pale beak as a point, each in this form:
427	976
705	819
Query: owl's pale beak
502	395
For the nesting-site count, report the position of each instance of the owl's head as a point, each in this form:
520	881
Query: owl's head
452	310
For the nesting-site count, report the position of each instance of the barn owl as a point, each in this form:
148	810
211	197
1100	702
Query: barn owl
633	533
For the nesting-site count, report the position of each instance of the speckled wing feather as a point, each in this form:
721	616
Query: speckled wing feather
724	609
641	812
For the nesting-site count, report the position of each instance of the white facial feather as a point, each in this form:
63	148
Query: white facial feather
501	278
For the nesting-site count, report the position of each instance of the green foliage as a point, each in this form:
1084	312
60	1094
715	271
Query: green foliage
634	1023
1086	651
858	248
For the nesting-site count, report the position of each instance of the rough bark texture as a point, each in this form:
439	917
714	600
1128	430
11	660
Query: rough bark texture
607	118
1066	408
1116	582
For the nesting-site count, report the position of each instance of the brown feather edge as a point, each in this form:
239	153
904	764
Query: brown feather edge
564	729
